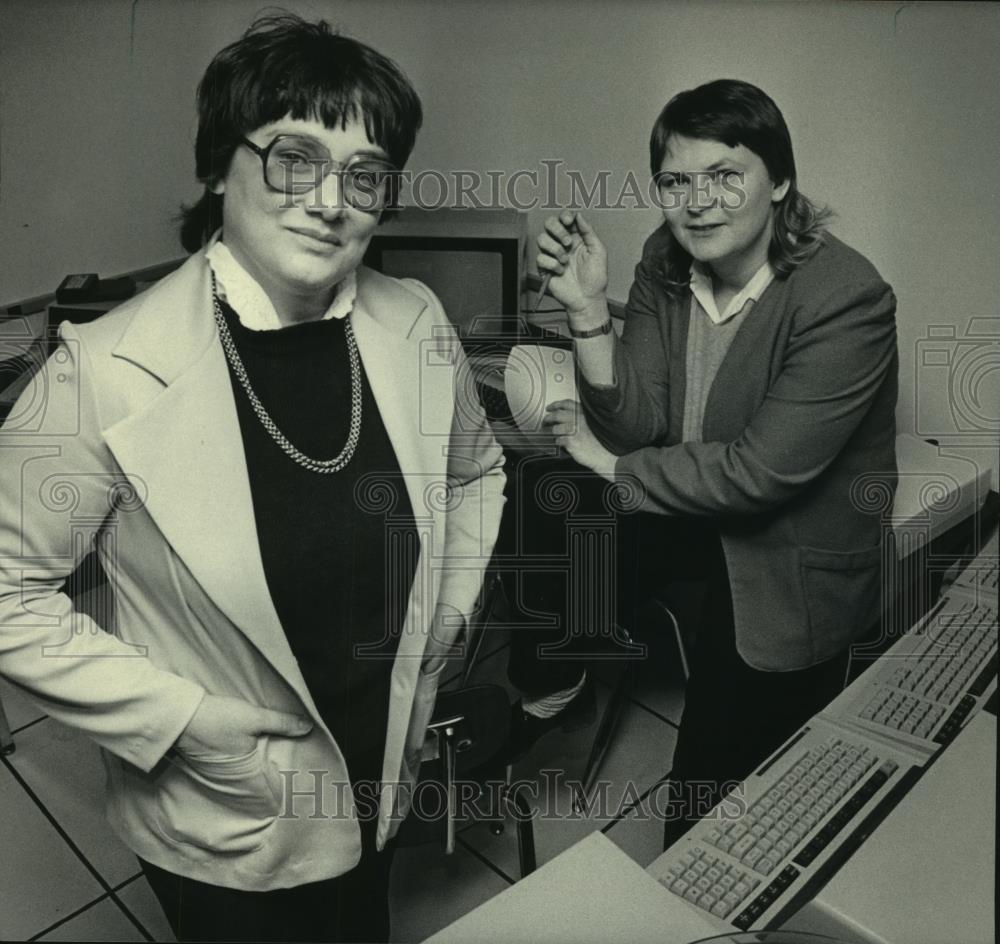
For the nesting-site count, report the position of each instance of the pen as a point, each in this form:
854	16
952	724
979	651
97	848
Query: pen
541	292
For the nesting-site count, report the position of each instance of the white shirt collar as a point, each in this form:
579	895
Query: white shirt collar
244	295
701	288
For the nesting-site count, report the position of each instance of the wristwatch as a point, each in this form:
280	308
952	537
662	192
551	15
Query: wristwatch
593	332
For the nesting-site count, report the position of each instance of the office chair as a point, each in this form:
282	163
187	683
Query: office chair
490	595
467	734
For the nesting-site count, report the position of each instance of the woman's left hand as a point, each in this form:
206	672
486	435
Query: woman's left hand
566	421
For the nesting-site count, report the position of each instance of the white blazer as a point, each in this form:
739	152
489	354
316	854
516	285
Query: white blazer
135	443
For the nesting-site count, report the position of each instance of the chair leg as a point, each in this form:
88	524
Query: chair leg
446	750
7	744
605	734
685	668
497	825
524	816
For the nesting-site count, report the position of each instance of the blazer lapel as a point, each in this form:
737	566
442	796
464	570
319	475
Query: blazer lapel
411	370
186	446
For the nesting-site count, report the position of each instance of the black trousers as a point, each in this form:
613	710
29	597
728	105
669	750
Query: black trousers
557	549
734	715
350	907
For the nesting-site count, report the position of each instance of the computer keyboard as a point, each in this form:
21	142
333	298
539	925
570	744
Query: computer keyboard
982	575
799	800
743	870
811	804
924	688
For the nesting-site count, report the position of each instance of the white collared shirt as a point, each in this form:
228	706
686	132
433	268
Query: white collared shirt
701	287
245	296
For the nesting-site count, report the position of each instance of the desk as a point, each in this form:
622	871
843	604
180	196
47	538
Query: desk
927	874
934	492
592	892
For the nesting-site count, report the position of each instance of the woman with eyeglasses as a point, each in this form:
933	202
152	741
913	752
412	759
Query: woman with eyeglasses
750	398
291	508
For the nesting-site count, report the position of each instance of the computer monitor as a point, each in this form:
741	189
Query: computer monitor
472	259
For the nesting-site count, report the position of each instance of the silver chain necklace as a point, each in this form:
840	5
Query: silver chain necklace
322	466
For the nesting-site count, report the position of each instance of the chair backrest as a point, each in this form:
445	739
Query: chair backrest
466	735
480	717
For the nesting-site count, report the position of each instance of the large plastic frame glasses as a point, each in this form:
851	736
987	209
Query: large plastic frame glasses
294	164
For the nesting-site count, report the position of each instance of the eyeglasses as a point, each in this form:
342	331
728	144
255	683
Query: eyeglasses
295	165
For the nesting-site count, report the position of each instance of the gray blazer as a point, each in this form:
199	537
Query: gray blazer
800	417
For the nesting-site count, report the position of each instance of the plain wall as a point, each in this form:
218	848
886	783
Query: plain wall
892	109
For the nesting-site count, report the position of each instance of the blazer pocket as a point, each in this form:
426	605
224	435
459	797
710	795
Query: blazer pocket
841	591
218	802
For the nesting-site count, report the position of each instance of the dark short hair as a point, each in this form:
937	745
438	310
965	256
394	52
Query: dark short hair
736	112
285	65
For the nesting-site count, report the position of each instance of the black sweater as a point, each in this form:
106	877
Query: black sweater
324	553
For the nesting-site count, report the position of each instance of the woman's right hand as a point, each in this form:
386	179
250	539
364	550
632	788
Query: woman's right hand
231	726
570	250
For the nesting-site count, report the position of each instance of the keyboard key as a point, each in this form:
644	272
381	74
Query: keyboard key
742	888
751	856
766	864
796	833
725	843
742	847
764	899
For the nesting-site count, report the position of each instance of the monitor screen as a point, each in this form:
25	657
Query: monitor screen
471	259
468	282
